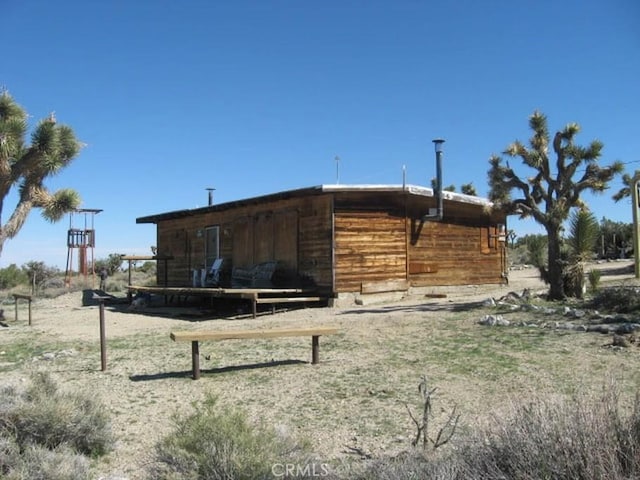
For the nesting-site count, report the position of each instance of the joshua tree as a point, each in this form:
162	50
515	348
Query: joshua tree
550	191
468	189
26	167
625	191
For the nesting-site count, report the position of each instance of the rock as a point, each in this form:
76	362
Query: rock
627	328
494	320
510	306
489	302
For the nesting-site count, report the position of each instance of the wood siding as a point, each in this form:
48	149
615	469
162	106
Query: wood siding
448	254
370	247
295	232
462	249
343	241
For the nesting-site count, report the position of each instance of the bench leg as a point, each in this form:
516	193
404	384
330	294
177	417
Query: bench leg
315	349
195	360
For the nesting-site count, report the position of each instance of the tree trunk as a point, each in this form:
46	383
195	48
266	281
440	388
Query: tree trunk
556	281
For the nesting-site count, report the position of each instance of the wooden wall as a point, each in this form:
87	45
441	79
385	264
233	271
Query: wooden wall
462	249
340	241
370	247
296	232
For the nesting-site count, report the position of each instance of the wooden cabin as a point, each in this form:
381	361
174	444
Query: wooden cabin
339	239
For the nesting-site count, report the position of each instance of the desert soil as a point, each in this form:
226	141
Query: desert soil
354	400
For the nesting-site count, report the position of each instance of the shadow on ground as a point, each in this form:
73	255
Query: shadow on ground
214	371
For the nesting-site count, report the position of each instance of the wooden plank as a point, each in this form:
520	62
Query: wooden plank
213	290
381	287
289	299
422	267
201	335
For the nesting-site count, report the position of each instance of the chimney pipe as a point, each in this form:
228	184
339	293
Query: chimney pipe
210	190
437	215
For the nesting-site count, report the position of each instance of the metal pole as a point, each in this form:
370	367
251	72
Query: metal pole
636	234
438	146
210	190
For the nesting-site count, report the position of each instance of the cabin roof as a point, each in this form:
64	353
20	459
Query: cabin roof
311	191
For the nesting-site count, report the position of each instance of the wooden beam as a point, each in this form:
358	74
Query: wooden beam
201	335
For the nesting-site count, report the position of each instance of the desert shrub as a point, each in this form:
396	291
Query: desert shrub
216	442
537	250
594	276
148	268
409	465
113	263
617	299
115	286
12	276
579	437
45	417
37	462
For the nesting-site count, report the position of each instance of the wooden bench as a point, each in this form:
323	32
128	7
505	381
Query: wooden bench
197	336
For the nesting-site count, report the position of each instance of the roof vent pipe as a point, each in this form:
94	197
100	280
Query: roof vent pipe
436	214
210	190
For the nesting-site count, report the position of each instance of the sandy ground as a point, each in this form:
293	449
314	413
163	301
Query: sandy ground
147	379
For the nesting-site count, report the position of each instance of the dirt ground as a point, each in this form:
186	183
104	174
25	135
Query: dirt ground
353	400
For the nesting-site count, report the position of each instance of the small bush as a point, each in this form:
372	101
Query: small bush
12	276
617	299
581	437
37	462
410	465
546	438
44	417
594	276
220	443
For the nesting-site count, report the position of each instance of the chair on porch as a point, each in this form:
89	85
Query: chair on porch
212	278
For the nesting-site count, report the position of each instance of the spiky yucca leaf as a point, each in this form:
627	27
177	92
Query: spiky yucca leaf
583	234
60	203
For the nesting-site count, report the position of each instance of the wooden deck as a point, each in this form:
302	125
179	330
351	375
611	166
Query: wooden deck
255	296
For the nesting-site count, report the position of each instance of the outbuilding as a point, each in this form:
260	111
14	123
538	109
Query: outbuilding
339	240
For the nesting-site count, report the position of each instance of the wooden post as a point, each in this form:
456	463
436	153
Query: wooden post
129	290
29	311
195	359
103	332
103	339
315	349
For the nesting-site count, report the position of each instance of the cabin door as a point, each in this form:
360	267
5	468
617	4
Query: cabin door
212	245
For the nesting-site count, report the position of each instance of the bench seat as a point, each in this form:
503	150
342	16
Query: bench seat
196	336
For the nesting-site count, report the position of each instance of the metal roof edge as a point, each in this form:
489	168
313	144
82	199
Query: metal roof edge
318	189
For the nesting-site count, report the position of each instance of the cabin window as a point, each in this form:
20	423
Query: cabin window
492	238
212	245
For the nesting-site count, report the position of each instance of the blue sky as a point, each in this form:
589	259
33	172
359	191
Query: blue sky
255	97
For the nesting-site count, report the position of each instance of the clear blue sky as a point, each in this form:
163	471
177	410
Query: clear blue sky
255	97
